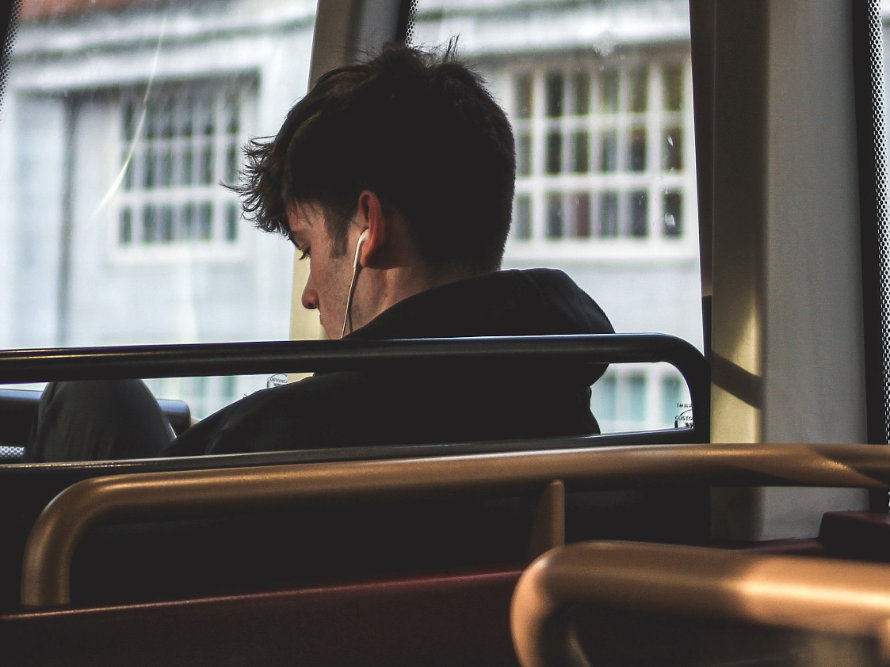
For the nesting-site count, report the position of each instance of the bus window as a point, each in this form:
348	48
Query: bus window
121	120
600	97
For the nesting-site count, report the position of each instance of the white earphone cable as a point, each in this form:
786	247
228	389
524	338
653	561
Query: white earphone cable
347	316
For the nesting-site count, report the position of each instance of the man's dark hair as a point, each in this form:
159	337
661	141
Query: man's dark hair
419	130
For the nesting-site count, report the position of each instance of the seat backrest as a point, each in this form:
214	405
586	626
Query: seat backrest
190	556
18	408
541	477
441	619
803	610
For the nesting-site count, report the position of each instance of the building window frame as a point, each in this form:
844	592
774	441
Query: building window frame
178	143
599	170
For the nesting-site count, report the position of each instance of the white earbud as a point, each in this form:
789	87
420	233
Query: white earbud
356	267
358	248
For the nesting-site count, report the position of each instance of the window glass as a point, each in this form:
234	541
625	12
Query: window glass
605	403
122	119
673	408
600	96
121	123
639	397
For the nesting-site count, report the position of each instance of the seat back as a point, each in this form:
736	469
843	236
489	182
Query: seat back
442	619
542	475
826	612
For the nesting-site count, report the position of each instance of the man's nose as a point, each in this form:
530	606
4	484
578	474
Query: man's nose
309	298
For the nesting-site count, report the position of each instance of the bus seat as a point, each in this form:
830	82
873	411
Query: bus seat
401	512
788	547
189	557
590	603
446	619
487	498
18	407
474	513
856	535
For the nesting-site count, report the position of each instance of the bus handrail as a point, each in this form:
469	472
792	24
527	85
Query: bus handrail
57	531
793	592
154	361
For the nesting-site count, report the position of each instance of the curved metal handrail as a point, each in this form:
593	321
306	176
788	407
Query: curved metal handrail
154	361
785	591
51	543
36	365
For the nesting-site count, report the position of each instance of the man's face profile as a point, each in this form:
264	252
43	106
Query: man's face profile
327	286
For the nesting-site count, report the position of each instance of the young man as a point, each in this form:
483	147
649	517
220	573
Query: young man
394	178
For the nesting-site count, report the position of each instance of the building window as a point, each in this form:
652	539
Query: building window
178	144
603	150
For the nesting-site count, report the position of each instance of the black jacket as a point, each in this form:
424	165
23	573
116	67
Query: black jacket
414	405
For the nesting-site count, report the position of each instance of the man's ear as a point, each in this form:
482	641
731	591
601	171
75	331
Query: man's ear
372	217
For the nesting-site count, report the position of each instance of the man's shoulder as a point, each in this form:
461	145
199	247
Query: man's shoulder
274	419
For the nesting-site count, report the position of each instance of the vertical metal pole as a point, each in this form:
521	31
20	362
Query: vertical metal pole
548	527
66	235
868	67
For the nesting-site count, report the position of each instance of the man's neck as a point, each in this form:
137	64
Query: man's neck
385	288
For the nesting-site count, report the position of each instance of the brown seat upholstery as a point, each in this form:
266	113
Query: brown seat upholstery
447	619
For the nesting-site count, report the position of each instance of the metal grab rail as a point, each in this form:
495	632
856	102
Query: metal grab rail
792	592
123	362
52	541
